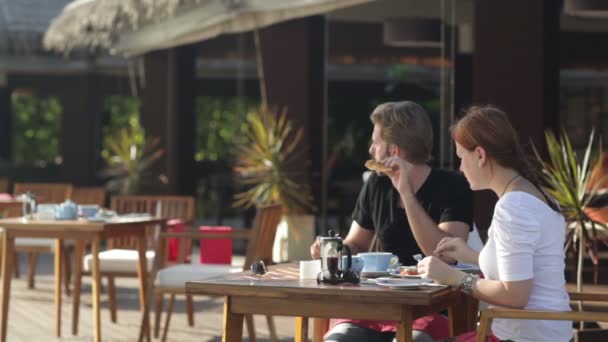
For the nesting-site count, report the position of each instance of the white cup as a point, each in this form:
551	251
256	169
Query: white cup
310	269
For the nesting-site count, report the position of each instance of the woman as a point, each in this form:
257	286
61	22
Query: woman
523	259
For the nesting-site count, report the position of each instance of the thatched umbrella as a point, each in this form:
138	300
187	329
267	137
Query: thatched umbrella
128	26
95	24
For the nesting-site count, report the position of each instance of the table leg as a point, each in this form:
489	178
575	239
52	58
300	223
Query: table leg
319	327
463	315
404	328
78	256
142	273
301	329
233	323
96	280
58	272
8	252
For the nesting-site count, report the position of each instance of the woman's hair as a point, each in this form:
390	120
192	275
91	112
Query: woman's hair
408	126
489	127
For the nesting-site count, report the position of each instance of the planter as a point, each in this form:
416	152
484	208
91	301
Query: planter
293	243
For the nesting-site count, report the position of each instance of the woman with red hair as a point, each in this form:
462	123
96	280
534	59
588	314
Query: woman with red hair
523	259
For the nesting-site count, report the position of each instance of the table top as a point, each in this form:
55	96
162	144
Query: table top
282	281
18	223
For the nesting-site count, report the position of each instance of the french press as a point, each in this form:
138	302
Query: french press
332	249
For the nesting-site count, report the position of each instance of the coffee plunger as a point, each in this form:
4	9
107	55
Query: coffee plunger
332	248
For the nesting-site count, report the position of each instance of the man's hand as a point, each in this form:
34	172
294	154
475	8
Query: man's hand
400	177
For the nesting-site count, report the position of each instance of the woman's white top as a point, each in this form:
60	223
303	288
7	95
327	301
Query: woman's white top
526	241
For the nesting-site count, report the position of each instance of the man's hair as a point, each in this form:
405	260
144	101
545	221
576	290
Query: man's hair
408	126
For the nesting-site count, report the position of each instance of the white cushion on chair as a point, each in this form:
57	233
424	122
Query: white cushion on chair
117	260
177	276
41	242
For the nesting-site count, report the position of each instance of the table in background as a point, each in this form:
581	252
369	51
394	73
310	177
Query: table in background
80	230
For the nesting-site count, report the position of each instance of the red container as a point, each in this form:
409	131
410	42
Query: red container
177	226
216	251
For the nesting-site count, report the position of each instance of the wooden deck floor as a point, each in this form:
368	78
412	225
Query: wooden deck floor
32	313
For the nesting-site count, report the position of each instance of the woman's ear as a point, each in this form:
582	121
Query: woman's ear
481	156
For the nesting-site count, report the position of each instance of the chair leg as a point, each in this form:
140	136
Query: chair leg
67	266
190	310
272	330
112	298
158	310
168	317
31	271
16	264
250	327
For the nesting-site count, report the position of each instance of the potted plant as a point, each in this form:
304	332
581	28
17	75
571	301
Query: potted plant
129	156
268	167
568	181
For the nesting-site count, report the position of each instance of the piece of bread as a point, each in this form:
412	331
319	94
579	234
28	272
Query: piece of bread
377	166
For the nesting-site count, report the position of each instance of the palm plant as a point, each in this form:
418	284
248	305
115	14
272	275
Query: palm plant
129	158
568	181
267	164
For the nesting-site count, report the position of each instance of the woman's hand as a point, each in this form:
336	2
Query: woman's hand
440	272
453	248
400	176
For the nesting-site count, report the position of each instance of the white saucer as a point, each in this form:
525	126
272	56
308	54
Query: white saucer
374	274
466	267
398	283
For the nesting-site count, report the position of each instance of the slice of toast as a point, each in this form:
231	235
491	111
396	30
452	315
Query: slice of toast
377	166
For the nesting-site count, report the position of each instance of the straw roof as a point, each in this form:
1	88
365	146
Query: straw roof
95	24
133	27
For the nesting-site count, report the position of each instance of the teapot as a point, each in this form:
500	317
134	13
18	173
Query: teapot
67	210
332	272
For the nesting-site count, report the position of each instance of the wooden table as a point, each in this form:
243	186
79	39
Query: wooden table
281	293
82	231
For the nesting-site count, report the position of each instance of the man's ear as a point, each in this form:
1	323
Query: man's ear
394	150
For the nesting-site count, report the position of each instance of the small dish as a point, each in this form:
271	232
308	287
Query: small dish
398	283
374	274
97	219
466	267
402	272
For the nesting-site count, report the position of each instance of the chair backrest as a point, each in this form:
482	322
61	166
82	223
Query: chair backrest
3	185
45	192
169	207
89	195
262	235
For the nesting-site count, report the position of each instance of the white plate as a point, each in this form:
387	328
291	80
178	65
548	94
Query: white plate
399	283
397	273
97	219
466	267
373	274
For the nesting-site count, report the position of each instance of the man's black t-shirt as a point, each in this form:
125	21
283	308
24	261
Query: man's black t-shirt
445	196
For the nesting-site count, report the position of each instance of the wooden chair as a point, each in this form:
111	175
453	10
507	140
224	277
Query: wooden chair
487	315
45	193
121	256
171	280
89	195
3	185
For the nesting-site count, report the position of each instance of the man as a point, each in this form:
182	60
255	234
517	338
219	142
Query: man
409	209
